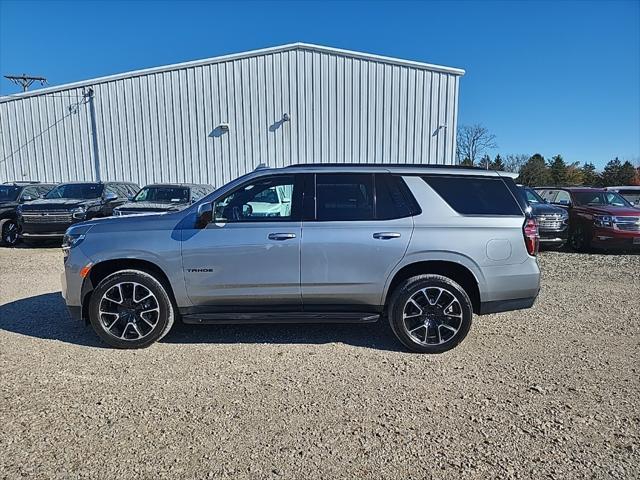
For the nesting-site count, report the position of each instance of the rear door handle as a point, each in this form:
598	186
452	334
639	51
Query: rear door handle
386	235
281	236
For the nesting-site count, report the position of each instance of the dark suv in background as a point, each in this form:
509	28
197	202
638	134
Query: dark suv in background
597	217
69	203
12	195
163	197
553	221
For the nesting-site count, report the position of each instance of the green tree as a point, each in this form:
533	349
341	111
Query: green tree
497	163
485	162
589	175
558	171
612	173
627	173
574	174
534	172
466	162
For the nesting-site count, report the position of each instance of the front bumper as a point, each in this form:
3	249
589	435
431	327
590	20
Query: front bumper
554	237
615	239
72	282
44	229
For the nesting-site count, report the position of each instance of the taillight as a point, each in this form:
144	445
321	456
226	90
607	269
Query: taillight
531	236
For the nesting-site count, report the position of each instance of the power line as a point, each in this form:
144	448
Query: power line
72	109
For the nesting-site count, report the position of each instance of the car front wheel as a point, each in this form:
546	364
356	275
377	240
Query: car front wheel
8	232
430	313
131	309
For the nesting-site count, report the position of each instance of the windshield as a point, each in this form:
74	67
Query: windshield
163	195
532	197
8	193
601	198
83	191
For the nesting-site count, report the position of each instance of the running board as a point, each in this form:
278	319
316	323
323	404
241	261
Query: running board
280	317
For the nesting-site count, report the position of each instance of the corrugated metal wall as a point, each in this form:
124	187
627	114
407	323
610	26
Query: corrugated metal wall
165	125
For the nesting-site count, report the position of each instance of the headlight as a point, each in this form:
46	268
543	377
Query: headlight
604	221
73	237
79	213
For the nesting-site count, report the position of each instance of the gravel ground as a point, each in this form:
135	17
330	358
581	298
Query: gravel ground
551	392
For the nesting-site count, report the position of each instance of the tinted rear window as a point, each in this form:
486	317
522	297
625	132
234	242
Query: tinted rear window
475	195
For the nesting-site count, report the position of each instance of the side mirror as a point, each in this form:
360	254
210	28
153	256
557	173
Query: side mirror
110	197
28	198
204	215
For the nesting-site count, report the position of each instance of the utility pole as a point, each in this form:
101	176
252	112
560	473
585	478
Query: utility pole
89	96
25	81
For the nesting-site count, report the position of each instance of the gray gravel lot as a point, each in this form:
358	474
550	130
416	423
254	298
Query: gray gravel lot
552	392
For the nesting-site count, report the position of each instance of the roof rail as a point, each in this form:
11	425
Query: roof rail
261	166
387	165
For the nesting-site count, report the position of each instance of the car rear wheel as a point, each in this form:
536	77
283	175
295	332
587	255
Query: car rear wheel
131	309
430	313
8	232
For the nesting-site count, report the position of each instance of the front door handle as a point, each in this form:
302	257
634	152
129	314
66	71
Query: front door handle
281	236
386	235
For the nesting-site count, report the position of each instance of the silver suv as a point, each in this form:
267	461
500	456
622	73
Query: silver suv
425	247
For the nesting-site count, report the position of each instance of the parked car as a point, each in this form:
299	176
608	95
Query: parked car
163	197
553	221
12	195
597	218
630	193
70	203
425	247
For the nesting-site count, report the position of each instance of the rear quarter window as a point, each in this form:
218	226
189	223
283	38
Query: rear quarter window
469	195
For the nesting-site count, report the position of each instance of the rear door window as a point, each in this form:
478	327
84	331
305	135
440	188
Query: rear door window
344	197
471	195
391	202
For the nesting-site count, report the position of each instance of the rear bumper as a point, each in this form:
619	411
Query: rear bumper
506	305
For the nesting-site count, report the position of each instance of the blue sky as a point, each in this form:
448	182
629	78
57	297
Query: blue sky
549	77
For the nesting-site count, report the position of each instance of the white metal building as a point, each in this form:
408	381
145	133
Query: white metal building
209	121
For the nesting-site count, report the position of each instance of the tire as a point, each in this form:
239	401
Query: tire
143	315
579	240
441	312
9	233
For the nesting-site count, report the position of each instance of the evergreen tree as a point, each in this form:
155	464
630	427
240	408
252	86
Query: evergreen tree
498	164
485	162
558	171
574	174
612	173
466	162
534	172
627	174
589	175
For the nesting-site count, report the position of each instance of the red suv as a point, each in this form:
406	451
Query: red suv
597	217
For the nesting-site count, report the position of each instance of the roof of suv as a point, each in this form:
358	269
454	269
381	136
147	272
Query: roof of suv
398	168
572	189
186	185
